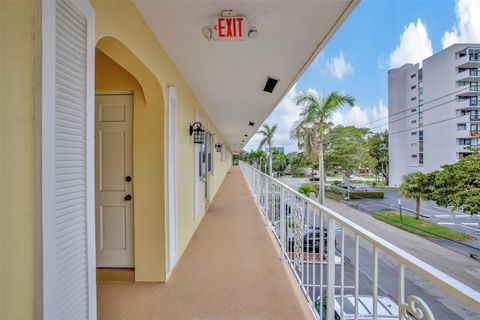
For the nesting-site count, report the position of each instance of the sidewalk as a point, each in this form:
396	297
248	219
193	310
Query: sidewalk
230	270
460	267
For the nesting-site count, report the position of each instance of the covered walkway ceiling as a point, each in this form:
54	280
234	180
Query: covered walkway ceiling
228	78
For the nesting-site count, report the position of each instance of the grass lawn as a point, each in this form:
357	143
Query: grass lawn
420	226
391	188
333	195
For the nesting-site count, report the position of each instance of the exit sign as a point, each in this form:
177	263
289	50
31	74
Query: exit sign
229	29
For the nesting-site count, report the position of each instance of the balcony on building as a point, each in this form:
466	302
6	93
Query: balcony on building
468	58
468	75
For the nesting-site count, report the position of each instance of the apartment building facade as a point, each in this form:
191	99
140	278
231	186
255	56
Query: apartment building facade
433	111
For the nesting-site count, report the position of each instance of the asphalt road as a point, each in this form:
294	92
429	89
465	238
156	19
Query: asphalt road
414	284
469	224
387	284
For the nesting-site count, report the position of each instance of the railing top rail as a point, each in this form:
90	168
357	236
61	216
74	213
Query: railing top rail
449	284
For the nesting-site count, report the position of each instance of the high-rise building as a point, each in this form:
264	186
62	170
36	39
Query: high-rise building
433	111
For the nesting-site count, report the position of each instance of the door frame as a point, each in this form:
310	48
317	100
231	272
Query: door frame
171	120
117	93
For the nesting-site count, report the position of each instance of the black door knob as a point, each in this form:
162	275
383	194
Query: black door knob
128	197
128	179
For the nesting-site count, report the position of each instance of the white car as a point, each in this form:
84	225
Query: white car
386	308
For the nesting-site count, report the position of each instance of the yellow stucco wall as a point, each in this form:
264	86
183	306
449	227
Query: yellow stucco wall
16	161
146	58
125	37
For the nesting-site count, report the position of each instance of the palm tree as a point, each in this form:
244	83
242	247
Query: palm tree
268	132
313	122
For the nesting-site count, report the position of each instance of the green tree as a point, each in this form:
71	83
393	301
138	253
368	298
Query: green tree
268	133
315	115
378	152
300	160
346	150
457	185
307	189
256	157
279	161
415	185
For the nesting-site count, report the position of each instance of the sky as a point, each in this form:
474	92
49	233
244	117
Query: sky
376	37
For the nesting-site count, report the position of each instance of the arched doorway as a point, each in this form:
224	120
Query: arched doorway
120	74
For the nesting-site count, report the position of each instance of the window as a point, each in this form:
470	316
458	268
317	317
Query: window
414	133
462	126
413	98
414	110
413	87
413	75
413	121
474	101
209	152
202	157
420	158
465	142
414	156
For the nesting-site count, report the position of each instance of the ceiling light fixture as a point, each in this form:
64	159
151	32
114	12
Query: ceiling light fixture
207	32
253	33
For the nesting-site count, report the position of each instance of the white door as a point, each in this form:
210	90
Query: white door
114	180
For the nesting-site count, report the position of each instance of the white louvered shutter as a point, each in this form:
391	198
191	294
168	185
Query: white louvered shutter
67	161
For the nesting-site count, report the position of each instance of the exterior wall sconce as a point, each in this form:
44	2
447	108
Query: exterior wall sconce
218	147
198	133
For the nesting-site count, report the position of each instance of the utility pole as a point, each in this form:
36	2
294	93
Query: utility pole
400	208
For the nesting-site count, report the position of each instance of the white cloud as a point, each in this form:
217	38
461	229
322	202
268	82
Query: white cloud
339	67
374	117
287	112
467	27
284	115
414	45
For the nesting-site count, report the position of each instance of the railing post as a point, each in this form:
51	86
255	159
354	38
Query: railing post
331	269
268	199
265	198
282	221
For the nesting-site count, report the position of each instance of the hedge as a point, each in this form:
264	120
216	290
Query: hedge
366	194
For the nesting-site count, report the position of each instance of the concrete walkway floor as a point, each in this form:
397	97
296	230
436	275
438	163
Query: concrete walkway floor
230	270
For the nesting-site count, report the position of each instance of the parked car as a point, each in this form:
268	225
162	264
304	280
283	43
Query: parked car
307	172
314	178
311	240
387	309
353	187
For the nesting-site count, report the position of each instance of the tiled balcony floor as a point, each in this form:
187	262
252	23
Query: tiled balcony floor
230	270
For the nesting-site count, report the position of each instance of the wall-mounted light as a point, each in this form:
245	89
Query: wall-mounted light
218	147
198	133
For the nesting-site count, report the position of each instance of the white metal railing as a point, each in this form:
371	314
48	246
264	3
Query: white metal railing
326	253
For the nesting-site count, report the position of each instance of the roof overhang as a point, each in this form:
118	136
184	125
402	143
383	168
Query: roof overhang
228	78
